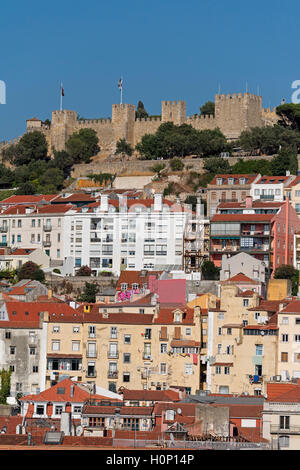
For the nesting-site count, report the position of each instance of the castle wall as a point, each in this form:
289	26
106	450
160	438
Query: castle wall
233	114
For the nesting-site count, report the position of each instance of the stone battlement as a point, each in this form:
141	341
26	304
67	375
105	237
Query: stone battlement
234	113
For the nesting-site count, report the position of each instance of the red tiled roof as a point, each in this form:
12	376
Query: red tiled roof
251	434
267	306
278	389
75	197
242	217
119	318
22	251
256	204
124	410
249	178
240	278
52	395
272	179
165	315
47	209
135	277
292	307
150	395
28	199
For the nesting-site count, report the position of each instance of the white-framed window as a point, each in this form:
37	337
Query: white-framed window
226	370
76	329
92	331
55	329
284	338
188	331
113	332
188	369
55	345
245	302
58	409
163	348
218	370
163	368
285	320
75	345
259	349
127	339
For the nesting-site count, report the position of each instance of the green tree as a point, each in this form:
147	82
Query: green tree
27	188
176	164
82	145
63	161
5	386
209	271
158	168
124	147
31	147
215	165
207	108
31	270
285	160
89	293
289	114
253	166
84	271
140	111
287	271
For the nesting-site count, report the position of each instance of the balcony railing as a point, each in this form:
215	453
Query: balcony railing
112	374
46	243
147	356
3	229
90	354
3	243
95	240
276	429
47	228
91	374
113	355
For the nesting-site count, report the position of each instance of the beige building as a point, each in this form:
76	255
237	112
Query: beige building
16	258
242	342
289	340
142	346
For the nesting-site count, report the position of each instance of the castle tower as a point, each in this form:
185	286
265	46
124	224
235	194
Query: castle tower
62	126
237	112
173	111
123	118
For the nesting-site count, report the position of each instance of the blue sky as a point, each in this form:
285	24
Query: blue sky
164	49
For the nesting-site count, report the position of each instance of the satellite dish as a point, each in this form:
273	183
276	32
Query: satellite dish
79	430
179	411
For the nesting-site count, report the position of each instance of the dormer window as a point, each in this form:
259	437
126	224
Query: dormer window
124	286
178	317
170	415
219	180
230	181
242	181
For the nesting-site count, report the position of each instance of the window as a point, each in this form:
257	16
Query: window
229	331
188	331
35	369
226	370
75	345
55	345
148	333
188	369
39	410
220	316
219	349
32	351
297	321
19	223
76	329
113	332
163	348
245	302
259	349
77	409
127	339
12	349
284	441
7	335
126	357
297	338
19	239
285	320
219	331
284	357
12	368
170	415
163	368
92	331
284	338
218	370
284	422
55	329
58	410
126	377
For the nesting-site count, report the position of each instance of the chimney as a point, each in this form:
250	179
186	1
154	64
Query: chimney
248	201
157	202
104	203
122	203
287	173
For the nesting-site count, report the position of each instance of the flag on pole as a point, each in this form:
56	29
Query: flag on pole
120	83
62	90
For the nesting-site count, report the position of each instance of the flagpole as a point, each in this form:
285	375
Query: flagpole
121	90
60	96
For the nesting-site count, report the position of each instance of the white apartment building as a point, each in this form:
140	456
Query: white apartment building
270	188
107	235
126	234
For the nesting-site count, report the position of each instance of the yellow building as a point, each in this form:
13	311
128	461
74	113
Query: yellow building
242	342
279	289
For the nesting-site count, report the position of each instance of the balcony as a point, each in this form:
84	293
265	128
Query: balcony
112	374
91	354
47	228
147	356
276	429
46	243
3	243
95	240
113	355
4	229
